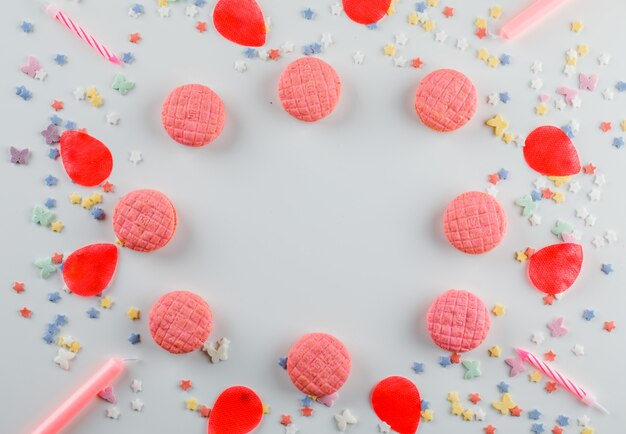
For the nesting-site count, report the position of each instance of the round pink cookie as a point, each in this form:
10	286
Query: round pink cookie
309	89
180	322
193	115
458	321
445	100
144	220
474	222
318	364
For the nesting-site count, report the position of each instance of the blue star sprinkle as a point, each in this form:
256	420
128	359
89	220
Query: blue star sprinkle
251	53
138	9
425	404
23	93
537	428
607	269
55	120
27	27
306	401
48	338
51	180
97	213
504	97
618	142
536	195
503	387
418	367
282	362
60	59
54	297
199	3
620	86
308	14
420	7
569	131
505	59
50	203
93	313
562	420
70	125
445	361
60	319
503	174
589	314
373	26
134	338
53	153
534	414
128	57
52	328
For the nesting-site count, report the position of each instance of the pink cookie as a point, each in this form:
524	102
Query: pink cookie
193	115
180	322
458	321
474	222
309	89
445	100
144	220
318	364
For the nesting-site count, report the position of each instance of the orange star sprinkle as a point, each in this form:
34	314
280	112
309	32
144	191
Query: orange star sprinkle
550	356
18	287
274	54
57	105
26	312
134	38
516	411
201	26
306	411
185	385
285	419
609	326
551	386
448	12
474	398
416	63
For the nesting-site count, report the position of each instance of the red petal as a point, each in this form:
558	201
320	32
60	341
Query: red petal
240	21
238	410
89	270
366	11
86	159
550	152
555	268
396	401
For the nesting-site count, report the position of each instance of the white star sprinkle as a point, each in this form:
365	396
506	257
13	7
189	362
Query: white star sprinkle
538	338
610	236
401	39
113	118
287	47
336	9
536	83
136	404
113	412
240	66
79	93
441	36
291	429
608	94
540	183
578	350
574	187
492	190
399	61
165	11
537	67
135	157
461	44
569	70
598	241
582	212
599	180
384	427
493	99
358	57
41	74
191	11
584	420
604	59
595	194
590	220
559	103
481	415
327	40
577	102
535	219
136	385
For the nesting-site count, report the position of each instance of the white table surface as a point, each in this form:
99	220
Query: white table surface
287	228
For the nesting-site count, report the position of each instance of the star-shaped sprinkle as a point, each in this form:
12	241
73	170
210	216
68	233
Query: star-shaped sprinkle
113	412
516	411
54	297
93	313
551	386
535	376
135	157
308	14
291	429
534	414
537	428
462	44
578	350
474	398
185	385
456	408
489	429
562	420
503	387
609	326
306	411
25	312
191	404
453	397
136	385
417	367
134	38
285	419
106	302
444	361
607	269
495	351
136	404
550	356
134	338
498	310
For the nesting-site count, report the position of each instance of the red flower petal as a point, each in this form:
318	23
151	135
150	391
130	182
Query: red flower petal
238	410
555	268
89	270
396	401
86	159
366	11
550	152
240	21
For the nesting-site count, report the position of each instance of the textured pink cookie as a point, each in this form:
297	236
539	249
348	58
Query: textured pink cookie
445	100
144	220
318	364
180	322
458	321
474	222
193	115
309	89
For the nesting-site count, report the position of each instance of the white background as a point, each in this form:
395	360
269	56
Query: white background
287	228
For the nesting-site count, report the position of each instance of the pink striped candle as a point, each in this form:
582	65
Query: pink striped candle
55	12
564	382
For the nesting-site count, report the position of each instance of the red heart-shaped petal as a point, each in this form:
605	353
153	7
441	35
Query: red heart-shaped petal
396	401
86	159
89	270
238	410
555	268
550	152
366	11
240	21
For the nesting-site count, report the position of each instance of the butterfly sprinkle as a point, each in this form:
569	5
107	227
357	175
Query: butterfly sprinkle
122	84
19	156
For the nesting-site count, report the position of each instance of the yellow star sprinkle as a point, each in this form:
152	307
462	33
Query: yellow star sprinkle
427	415
432	3
266	408
468	414
572	61
96	101
577	26
558	197
520	256
75	198
498	123
481	23
508	138
134	313
162	3
559	180
96	198
191	404
495	12
623	125
482	54
541	109
453	397
87	203
389	50
392	9
495	351
413	18
587	430
429	25
457	408
493	61
57	226
535	376
91	92
75	347
498	310
582	50
106	302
